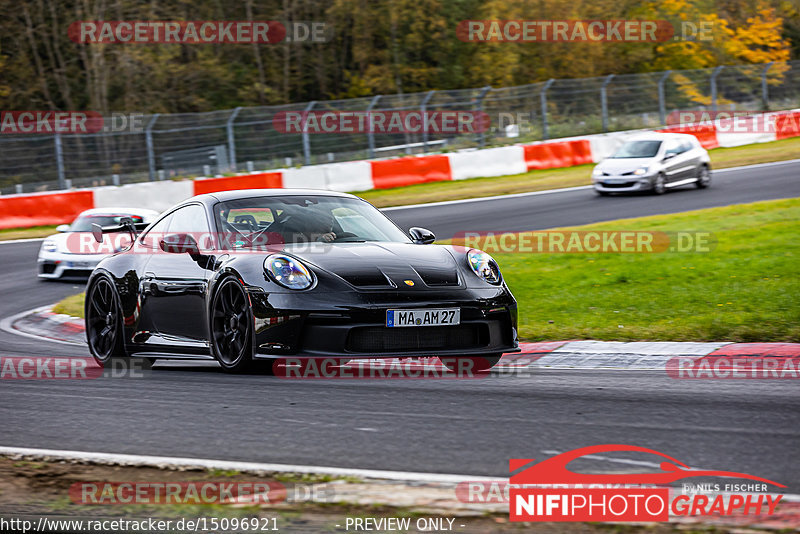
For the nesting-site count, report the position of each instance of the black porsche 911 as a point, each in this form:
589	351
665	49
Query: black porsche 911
250	276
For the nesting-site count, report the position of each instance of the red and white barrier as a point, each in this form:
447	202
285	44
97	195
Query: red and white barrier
53	208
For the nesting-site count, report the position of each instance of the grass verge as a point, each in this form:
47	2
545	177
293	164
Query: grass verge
746	289
72	305
26	233
557	178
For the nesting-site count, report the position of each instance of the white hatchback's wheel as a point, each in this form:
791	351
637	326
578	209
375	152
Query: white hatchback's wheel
704	178
659	186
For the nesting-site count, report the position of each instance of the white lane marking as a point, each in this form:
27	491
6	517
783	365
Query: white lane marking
7	326
566	189
227	465
756	165
26	240
496	197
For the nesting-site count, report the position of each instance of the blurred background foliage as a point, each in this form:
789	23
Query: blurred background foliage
377	47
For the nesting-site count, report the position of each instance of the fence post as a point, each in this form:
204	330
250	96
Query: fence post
604	100
714	75
764	89
151	157
481	96
62	184
423	108
662	100
306	140
231	140
543	98
370	133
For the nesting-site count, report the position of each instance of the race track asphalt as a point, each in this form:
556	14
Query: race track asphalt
443	426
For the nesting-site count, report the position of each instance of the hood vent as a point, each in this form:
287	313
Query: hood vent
437	276
368	278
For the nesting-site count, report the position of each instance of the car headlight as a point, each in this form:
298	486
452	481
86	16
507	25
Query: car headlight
49	246
484	266
596	173
640	171
288	272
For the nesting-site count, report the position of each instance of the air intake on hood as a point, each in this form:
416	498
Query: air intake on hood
437	277
367	278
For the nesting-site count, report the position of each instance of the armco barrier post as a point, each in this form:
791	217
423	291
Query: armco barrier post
306	140
231	139
543	98
764	89
60	162
662	101
714	75
479	109
151	157
604	100
423	108
370	133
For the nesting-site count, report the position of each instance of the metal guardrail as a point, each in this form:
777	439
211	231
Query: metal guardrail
539	111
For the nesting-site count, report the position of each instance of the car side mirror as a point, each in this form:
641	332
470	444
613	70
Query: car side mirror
669	155
421	235
62	228
179	244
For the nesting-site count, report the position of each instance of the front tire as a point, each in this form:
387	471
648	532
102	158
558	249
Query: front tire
104	322
659	186
471	364
231	327
703	178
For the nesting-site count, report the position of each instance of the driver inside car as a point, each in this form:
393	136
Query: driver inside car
319	227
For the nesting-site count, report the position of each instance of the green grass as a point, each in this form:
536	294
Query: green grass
72	305
557	178
26	233
746	289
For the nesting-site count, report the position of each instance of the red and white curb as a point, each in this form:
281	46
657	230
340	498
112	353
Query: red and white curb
45	325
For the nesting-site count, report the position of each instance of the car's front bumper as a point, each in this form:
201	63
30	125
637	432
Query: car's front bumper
622	184
347	330
59	265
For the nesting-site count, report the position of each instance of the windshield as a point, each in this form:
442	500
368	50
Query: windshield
302	219
638	149
84	223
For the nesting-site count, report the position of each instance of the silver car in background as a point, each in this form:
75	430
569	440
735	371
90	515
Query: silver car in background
65	254
654	162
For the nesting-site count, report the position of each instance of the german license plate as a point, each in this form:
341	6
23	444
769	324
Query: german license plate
426	317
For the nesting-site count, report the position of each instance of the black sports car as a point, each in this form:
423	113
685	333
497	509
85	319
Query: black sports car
248	277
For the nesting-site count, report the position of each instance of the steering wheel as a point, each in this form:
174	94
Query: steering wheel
247	219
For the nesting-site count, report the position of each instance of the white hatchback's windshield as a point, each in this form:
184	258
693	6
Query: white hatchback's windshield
638	149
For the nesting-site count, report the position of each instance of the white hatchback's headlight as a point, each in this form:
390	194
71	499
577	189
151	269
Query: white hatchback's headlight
484	266
288	272
596	173
640	171
49	246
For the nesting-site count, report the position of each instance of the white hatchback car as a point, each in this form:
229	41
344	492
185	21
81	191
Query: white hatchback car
654	162
64	254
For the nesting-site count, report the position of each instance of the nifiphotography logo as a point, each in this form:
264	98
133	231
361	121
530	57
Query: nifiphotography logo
548	491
